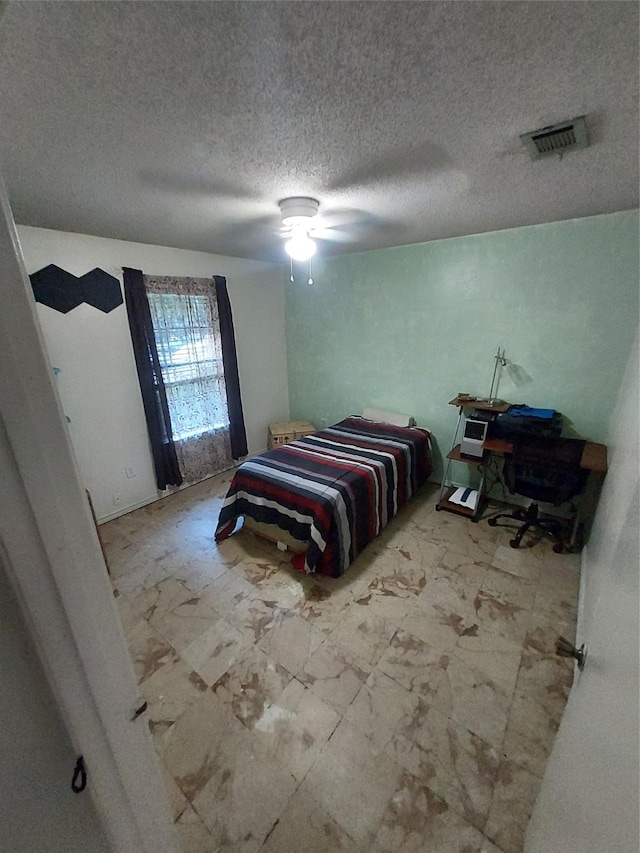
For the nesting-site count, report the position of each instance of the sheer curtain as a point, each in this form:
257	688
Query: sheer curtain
184	313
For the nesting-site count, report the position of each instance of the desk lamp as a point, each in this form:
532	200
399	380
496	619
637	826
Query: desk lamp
517	374
500	361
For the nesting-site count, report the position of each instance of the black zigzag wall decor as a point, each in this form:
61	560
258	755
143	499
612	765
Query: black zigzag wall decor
63	291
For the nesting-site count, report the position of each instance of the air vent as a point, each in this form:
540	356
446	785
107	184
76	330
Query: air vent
557	138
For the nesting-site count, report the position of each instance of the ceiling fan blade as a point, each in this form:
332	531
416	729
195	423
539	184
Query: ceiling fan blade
334	235
195	185
339	218
416	160
334	230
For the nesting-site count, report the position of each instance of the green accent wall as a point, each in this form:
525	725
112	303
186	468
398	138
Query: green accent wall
407	328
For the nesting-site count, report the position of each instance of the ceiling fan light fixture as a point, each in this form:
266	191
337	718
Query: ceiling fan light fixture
297	215
300	247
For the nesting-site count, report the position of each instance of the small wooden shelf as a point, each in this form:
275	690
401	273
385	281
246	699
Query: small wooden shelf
497	445
456	456
497	406
445	503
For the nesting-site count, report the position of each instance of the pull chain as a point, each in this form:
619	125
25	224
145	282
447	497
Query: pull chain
310	281
291	278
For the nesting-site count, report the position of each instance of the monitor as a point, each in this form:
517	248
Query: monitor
475	432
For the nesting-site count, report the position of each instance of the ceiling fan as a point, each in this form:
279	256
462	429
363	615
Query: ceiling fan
301	222
299	215
302	226
248	216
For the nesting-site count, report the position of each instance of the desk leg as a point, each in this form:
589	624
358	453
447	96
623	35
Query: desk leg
576	522
443	484
479	506
447	468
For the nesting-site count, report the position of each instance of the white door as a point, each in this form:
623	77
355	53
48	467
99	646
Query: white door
56	569
589	800
39	810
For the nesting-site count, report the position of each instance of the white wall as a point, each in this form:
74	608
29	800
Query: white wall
98	383
589	801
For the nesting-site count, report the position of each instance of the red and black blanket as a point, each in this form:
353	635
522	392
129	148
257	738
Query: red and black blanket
335	489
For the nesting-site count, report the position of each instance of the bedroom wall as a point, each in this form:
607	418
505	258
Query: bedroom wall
98	383
407	328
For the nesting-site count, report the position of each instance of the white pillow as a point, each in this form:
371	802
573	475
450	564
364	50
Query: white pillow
394	418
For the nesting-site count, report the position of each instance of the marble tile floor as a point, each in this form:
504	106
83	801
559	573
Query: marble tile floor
409	706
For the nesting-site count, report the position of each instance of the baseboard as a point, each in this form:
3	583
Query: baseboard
126	509
172	490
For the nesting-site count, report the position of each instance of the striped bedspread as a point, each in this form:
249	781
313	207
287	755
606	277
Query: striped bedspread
335	489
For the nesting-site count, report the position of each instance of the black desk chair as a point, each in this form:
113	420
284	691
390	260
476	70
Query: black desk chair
545	469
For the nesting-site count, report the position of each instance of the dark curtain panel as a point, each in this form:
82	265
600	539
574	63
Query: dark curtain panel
154	397
234	402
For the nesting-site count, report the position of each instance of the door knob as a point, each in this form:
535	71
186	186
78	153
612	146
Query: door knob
566	650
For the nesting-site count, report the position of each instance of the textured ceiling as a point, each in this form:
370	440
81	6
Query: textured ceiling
183	124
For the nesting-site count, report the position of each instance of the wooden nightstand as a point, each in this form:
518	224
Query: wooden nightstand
283	433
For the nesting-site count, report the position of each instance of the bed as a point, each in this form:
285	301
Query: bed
331	492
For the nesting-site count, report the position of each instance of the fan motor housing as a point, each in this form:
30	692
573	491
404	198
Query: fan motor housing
298	210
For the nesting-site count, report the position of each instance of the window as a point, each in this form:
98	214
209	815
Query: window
189	348
193	412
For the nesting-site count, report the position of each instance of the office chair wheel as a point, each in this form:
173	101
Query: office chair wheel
558	548
514	543
492	522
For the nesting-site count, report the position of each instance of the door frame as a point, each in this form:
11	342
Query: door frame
57	570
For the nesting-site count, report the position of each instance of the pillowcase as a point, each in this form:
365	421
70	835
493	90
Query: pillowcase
384	417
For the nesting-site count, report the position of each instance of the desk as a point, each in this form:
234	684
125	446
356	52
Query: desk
594	458
594	455
495	407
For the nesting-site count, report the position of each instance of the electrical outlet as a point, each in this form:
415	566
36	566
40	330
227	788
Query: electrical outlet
129	473
117	499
